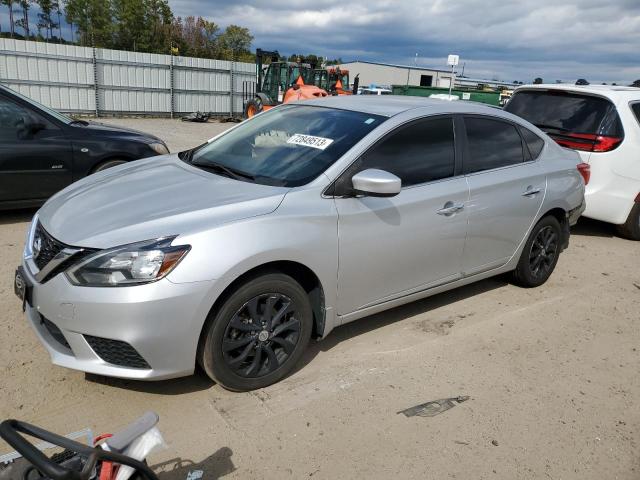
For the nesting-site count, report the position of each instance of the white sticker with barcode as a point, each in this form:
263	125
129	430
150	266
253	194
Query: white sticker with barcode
310	141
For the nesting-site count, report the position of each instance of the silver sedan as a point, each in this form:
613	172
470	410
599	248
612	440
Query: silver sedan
234	254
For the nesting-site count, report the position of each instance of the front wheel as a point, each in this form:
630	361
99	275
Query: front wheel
259	333
540	254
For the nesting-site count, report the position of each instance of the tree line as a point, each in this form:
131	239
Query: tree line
138	25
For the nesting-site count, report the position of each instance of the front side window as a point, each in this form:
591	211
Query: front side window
288	146
492	144
17	121
421	152
38	106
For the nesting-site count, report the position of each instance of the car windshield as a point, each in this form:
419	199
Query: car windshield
287	146
57	115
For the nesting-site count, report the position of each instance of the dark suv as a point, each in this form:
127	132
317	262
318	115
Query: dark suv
43	151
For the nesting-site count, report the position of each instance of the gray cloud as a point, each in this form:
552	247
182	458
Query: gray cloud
517	40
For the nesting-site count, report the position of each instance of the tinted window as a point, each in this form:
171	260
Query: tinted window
287	146
556	111
421	152
533	141
15	120
636	110
492	144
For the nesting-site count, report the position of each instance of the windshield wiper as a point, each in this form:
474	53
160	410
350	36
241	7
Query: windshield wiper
228	171
79	122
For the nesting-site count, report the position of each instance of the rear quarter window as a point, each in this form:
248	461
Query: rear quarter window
535	144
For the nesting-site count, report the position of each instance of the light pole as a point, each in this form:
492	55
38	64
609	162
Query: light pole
415	63
452	60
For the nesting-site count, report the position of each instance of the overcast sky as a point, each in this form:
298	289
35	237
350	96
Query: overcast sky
510	40
518	40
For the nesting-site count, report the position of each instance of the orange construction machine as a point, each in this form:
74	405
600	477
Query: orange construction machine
279	82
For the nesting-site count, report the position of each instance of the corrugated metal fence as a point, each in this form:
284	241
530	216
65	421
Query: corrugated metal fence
99	81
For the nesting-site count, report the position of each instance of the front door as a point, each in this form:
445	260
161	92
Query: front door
36	158
390	247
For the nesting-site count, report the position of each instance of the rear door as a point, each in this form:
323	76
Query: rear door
506	188
36	157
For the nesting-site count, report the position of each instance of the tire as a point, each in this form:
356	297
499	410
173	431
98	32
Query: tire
108	164
631	228
241	349
540	254
252	107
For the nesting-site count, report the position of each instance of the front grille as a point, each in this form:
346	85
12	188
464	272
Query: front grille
54	331
49	247
116	352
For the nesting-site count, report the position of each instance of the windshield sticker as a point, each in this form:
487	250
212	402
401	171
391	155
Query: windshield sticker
370	121
310	141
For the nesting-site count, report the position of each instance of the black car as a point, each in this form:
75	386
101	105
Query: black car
43	151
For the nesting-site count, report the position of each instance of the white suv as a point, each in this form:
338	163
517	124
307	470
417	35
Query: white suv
602	123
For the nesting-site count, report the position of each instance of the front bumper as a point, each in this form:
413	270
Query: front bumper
146	332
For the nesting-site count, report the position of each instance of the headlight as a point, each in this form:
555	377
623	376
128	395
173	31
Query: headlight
159	148
132	264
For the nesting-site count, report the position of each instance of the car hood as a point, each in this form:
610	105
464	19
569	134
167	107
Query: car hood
148	199
97	128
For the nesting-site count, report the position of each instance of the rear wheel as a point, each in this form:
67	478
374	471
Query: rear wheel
108	164
540	254
631	228
258	334
252	108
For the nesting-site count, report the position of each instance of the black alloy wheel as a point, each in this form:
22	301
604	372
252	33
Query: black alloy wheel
258	333
540	253
261	336
543	252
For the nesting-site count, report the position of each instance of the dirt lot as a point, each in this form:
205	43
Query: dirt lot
552	374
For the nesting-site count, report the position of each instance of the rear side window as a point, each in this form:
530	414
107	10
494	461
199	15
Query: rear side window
635	108
421	152
492	144
533	141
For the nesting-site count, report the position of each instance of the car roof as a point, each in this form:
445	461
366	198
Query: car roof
614	92
390	105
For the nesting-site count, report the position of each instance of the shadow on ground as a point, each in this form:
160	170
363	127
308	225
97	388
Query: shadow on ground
593	228
199	381
216	465
178	386
388	317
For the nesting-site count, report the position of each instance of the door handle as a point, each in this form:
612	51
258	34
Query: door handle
530	192
450	208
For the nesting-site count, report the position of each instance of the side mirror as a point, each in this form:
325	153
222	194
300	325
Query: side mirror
376	183
27	128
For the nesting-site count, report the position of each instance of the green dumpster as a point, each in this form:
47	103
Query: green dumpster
490	98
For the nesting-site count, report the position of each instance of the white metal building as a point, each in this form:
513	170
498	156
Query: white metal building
391	74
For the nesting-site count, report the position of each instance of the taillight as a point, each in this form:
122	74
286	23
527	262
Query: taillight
587	142
585	171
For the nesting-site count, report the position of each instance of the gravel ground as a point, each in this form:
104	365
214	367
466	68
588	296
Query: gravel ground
552	374
177	134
